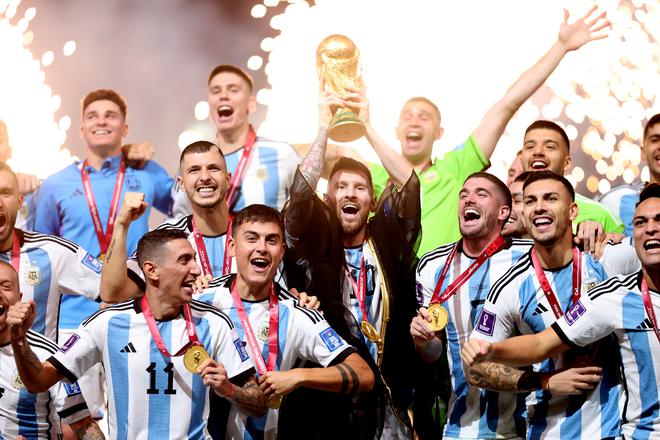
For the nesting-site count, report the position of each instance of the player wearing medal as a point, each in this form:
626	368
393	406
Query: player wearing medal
153	391
532	295
626	306
452	284
277	331
81	201
35	416
262	169
362	270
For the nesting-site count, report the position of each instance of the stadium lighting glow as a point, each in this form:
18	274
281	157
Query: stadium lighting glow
28	105
418	47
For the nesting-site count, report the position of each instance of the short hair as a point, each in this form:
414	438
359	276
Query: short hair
13	271
350	164
549	175
232	69
151	243
257	214
655	119
7	168
523	176
107	95
549	125
200	147
500	186
650	191
426	101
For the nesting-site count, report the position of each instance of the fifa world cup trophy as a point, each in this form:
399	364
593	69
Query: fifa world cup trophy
338	63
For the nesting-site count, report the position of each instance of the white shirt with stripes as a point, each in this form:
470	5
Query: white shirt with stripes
50	267
303	335
150	395
472	413
616	306
35	416
516	304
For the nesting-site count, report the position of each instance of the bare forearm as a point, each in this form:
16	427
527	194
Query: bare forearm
114	278
498	377
396	165
351	377
528	349
87	429
249	399
34	373
312	164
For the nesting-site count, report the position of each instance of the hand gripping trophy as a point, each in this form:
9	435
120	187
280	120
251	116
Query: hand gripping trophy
337	63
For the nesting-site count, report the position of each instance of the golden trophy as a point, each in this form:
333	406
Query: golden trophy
337	62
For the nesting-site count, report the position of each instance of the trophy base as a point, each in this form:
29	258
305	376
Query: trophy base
345	126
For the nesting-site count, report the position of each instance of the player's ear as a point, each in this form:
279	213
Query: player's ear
150	270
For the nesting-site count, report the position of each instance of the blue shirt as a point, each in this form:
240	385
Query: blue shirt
61	209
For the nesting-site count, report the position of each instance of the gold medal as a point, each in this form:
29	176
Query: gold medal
274	401
369	331
439	317
193	357
101	257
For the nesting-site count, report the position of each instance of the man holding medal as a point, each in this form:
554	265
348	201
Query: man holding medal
261	169
278	331
626	306
160	351
81	201
533	294
361	269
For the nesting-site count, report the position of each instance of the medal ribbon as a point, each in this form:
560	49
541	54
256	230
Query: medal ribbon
151	322
648	306
204	255
103	237
16	253
545	284
237	178
273	321
492	248
360	288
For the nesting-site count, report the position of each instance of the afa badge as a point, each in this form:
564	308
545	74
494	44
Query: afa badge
17	382
262	332
262	173
32	275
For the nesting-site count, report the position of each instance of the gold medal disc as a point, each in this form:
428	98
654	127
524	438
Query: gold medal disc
193	357
369	331
274	401
439	317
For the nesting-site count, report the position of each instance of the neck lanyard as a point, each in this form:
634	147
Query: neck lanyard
491	249
151	322
273	311
16	253
648	306
237	178
103	237
360	288
203	254
545	284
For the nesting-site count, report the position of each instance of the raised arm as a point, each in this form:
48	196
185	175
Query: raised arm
396	165
116	285
571	37
351	376
87	429
36	375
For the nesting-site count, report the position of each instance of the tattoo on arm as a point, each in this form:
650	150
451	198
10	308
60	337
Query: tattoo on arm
89	431
354	378
312	165
249	399
109	251
344	378
30	359
496	377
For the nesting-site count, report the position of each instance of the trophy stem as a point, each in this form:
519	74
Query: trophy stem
345	126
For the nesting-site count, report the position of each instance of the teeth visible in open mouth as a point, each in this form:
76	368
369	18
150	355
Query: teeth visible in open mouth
101	132
538	164
260	262
511	220
414	136
542	221
225	110
471	214
2	310
350	209
189	284
652	244
206	189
